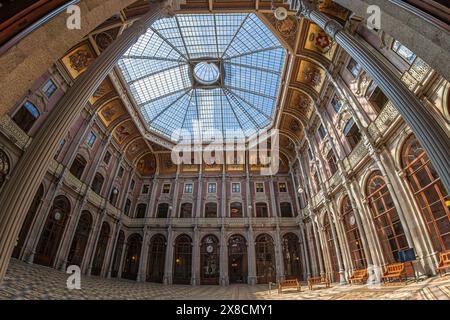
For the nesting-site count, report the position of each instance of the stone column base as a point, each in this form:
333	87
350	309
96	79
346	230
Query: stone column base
252	280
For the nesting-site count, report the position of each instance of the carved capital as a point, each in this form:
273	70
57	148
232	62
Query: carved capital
332	27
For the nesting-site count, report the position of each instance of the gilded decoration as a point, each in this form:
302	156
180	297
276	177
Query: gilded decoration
300	102
135	148
318	41
111	112
147	165
104	88
77	60
286	28
310	74
124	131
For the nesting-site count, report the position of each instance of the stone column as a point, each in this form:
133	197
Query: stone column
142	271
278	248
301	225
252	279
168	265
113	252
196	241
224	277
96	234
151	212
313	254
32	167
429	130
122	258
318	247
108	251
330	211
80	137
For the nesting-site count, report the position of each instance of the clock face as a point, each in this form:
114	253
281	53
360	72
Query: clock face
57	216
209	249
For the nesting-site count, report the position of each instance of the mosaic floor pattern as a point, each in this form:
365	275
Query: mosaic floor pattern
32	282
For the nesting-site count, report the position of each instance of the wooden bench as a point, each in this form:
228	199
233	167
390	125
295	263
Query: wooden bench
396	270
358	276
291	283
444	262
318	281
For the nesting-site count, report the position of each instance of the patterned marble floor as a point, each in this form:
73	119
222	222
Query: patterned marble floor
24	281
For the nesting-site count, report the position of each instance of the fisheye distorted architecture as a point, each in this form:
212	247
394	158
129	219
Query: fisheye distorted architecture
355	113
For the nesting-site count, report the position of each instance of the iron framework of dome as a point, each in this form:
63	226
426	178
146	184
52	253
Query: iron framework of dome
207	74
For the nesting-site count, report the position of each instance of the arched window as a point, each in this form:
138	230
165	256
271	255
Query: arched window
210	262
78	166
141	210
265	259
26	226
132	256
353	235
352	133
237	259
261	210
100	250
126	209
182	260
53	230
331	160
285	209
331	249
97	183
4	167
156	259
163	210
291	257
211	210
80	239
26	116
236	210
118	254
429	192
186	210
389	228
114	196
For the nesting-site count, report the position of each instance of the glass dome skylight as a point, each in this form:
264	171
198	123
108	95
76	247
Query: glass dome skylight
206	73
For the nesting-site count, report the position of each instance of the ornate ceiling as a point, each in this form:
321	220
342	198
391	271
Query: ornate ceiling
311	56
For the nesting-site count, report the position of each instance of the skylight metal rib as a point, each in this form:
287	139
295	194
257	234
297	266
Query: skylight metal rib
165	109
169	43
234	36
233	98
153	74
252	106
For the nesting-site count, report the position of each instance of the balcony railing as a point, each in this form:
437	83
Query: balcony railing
14	133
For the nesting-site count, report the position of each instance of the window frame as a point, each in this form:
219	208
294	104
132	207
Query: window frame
235	184
50	80
279	187
168	190
91	139
188	188
256	187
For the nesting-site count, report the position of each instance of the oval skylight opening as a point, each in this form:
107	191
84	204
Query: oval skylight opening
206	73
